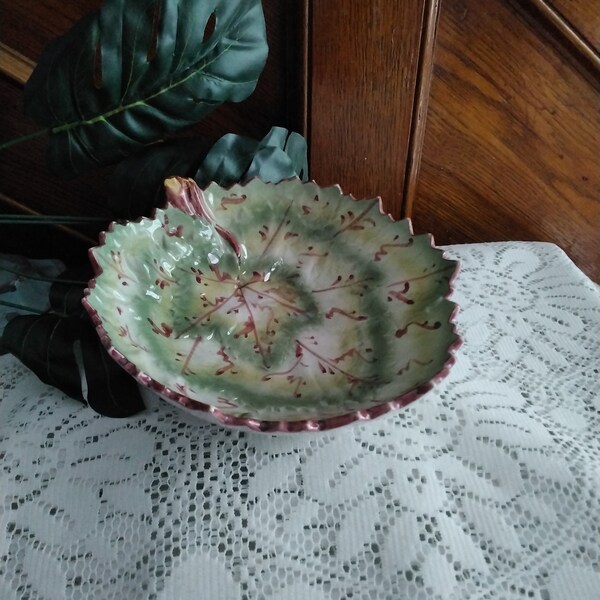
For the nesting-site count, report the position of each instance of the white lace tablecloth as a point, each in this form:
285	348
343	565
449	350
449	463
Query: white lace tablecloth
487	487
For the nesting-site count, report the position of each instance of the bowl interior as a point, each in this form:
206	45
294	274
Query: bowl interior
282	302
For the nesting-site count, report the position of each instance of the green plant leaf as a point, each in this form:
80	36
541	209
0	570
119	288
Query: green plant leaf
45	344
137	184
63	350
136	70
111	391
236	159
66	292
24	283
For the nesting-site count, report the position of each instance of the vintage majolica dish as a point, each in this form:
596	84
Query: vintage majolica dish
279	307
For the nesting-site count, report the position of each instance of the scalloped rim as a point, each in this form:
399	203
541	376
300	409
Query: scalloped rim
257	425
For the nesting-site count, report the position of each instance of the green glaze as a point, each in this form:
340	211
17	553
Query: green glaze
276	302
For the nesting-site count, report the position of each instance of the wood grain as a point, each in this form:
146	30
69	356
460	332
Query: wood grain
420	105
584	16
364	59
513	136
14	65
569	31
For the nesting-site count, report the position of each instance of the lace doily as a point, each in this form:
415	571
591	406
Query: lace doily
487	487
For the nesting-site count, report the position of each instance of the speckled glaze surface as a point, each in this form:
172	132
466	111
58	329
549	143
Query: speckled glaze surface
280	307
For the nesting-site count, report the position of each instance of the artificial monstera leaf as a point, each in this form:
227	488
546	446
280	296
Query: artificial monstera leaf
24	286
62	348
236	159
46	344
137	70
137	184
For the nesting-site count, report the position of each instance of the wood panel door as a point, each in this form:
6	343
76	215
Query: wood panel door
512	143
368	78
512	134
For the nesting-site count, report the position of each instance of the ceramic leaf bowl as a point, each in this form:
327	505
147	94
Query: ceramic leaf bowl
280	307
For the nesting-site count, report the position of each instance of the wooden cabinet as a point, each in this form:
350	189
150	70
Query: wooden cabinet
479	120
512	131
512	143
368	76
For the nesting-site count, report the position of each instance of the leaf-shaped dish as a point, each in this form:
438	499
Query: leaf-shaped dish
280	307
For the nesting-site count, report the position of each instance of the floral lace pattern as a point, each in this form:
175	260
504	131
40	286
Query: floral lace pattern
487	487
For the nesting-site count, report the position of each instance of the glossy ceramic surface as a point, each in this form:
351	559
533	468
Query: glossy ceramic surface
282	307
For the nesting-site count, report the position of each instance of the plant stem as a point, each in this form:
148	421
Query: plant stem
24	138
11	219
42	278
37	311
